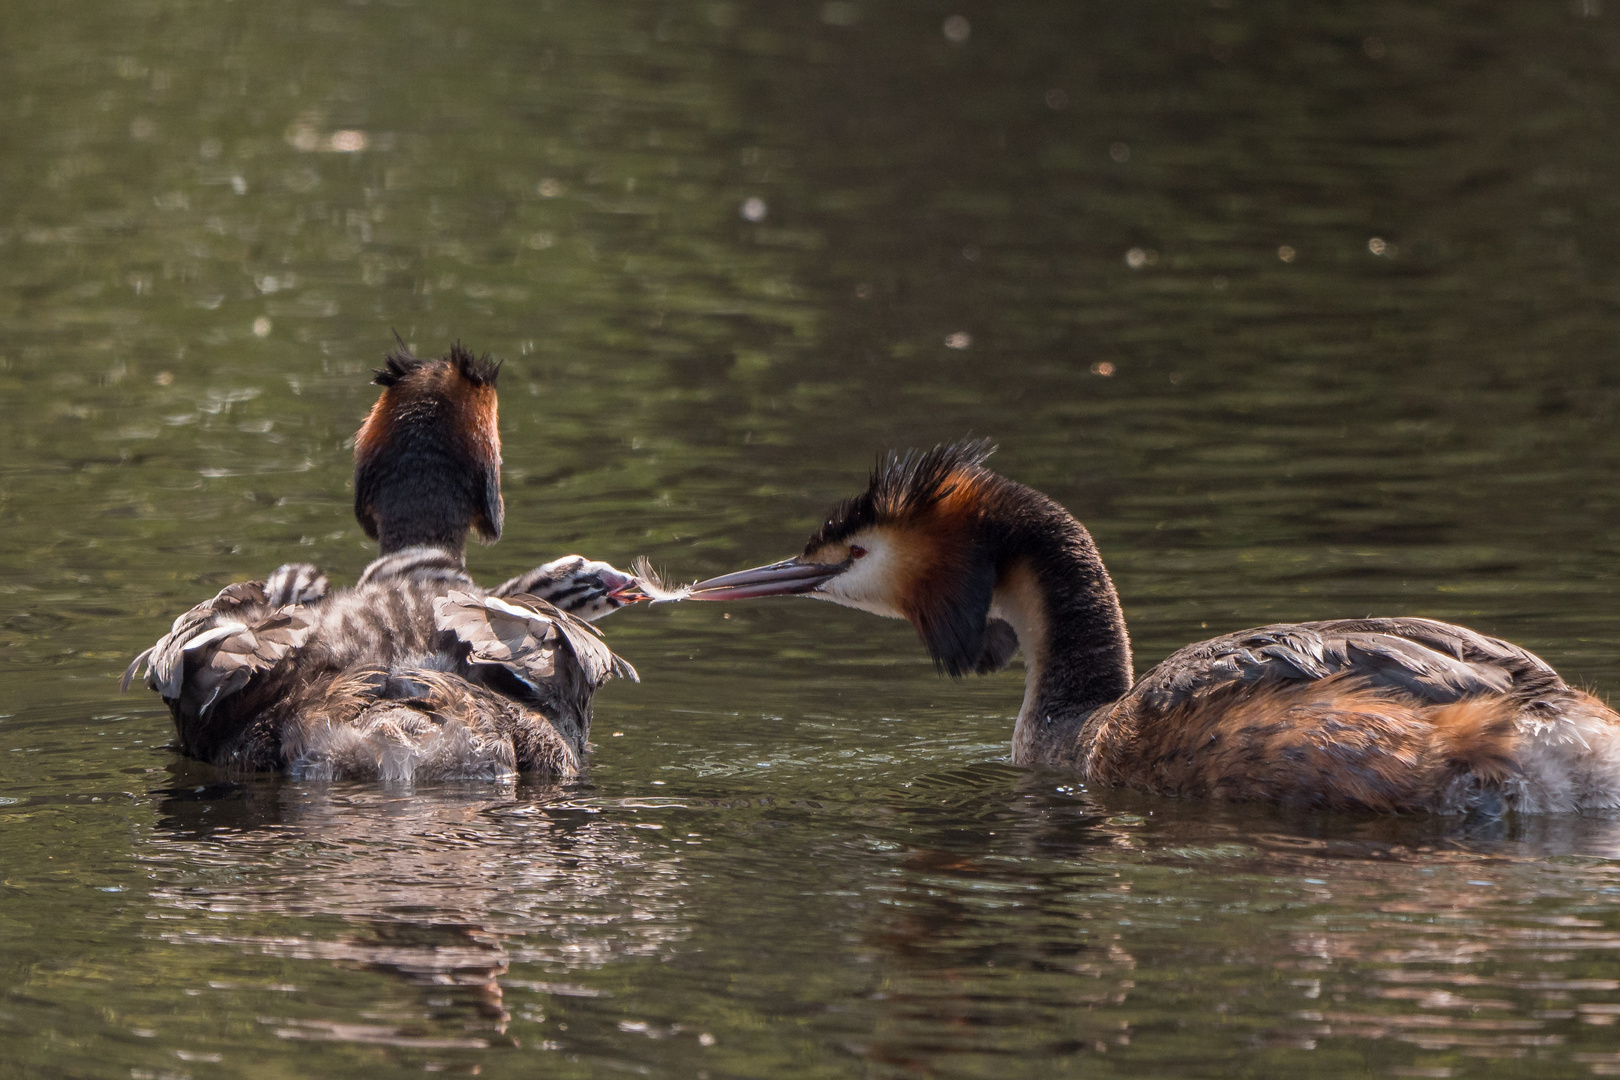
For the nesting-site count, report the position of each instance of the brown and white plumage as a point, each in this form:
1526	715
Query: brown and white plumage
587	588
415	672
1389	715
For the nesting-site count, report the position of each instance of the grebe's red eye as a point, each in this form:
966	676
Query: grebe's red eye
856	551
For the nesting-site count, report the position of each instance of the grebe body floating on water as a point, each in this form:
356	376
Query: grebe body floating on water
1401	714
415	673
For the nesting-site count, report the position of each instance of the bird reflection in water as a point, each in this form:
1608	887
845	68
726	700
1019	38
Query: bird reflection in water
979	844
446	888
1021	906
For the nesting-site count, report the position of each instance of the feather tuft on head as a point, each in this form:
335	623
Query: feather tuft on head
904	484
400	362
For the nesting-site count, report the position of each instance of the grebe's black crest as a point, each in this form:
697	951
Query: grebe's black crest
903	484
478	370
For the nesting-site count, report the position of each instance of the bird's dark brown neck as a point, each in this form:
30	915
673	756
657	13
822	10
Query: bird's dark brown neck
421	491
394	536
1052	587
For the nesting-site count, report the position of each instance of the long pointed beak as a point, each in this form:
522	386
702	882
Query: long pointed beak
778	579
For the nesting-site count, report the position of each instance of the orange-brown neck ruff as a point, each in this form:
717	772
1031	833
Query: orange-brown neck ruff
428	456
954	528
963	551
944	572
373	433
468	412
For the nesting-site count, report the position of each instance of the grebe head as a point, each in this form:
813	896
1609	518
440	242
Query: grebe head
915	545
585	588
427	460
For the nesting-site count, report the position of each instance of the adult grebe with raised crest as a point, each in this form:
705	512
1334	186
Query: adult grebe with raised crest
1399	714
415	673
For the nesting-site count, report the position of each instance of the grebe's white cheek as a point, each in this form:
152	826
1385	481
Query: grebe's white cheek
868	584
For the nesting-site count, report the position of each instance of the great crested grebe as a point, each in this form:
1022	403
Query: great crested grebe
1401	714
415	672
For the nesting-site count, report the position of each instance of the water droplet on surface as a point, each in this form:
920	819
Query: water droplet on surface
261	327
957	29
1136	258
754	209
1286	253
1377	246
1103	368
959	340
1120	152
549	188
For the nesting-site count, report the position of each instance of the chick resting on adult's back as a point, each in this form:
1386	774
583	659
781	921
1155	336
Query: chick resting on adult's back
415	672
1383	714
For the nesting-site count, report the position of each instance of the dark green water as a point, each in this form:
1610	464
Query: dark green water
798	853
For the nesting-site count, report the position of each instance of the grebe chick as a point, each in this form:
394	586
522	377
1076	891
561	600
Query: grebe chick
415	673
1402	714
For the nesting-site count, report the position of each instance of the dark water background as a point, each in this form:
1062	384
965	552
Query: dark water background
798	853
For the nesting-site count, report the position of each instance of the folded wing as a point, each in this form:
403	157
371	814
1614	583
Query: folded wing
524	635
218	647
1434	662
